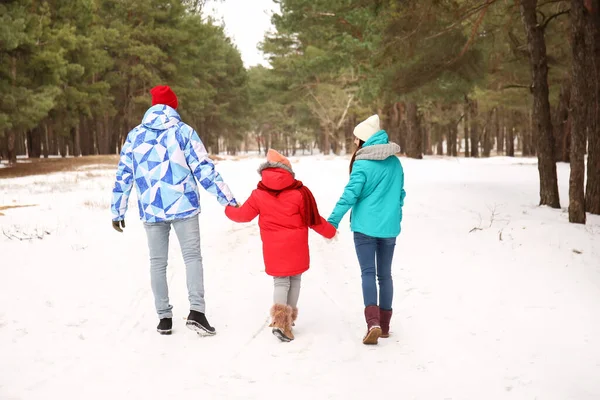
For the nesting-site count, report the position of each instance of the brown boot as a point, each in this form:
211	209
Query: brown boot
282	321
373	325
294	316
384	318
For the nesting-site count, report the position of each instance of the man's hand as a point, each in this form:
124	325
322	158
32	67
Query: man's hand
116	226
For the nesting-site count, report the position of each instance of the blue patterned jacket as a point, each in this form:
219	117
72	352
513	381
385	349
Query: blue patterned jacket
163	157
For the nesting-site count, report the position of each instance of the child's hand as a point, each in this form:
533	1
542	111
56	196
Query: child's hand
334	238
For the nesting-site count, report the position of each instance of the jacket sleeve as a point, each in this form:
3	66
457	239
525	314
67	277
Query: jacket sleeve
352	192
204	170
123	182
324	229
246	213
402	192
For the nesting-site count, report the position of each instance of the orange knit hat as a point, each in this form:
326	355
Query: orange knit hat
275	157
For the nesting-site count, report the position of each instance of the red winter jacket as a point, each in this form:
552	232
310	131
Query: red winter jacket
282	229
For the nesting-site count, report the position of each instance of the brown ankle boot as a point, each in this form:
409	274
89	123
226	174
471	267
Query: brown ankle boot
282	321
384	318
294	316
373	325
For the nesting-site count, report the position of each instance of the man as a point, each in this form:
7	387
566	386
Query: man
163	157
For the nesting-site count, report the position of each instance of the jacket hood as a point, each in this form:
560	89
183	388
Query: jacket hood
380	137
276	176
160	118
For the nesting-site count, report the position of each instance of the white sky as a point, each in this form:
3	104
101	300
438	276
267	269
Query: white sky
246	22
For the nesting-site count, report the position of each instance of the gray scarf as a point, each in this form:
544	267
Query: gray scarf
377	152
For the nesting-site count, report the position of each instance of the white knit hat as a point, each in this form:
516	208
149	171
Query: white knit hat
367	128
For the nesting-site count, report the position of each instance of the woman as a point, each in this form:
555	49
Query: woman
375	192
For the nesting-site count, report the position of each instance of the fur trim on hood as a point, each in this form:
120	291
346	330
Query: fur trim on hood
269	164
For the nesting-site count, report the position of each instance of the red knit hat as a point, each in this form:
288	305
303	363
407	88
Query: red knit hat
163	95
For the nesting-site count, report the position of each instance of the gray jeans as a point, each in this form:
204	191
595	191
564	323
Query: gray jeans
188	235
287	290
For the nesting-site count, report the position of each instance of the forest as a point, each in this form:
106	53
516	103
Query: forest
457	78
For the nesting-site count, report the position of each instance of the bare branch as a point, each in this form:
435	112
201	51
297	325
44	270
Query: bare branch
460	119
516	86
421	19
323	116
474	31
550	2
353	29
341	121
545	25
324	14
465	17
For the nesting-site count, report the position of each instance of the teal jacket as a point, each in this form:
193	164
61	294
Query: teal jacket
375	191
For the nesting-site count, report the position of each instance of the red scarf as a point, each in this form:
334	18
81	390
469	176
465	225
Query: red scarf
311	212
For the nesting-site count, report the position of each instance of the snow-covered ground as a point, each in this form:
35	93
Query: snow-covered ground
495	297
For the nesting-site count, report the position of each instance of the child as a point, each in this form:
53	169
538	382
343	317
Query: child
286	209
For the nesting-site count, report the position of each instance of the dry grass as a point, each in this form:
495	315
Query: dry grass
2	208
95	204
43	166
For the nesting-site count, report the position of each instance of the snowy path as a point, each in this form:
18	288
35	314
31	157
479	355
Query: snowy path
506	312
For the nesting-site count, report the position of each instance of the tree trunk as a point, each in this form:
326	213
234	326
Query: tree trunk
510	140
395	123
497	129
451	148
325	132
76	135
105	138
427	148
440	146
52	139
541	105
34	142
413	132
217	145
62	145
3	148
560	123
46	150
402	128
88	146
259	139
501	131
350	134
466	112
421	122
489	134
474	130
592	193
527	145
580	95
12	151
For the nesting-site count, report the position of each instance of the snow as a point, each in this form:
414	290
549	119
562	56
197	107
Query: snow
508	310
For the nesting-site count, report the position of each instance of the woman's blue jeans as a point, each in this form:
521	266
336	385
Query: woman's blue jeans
375	258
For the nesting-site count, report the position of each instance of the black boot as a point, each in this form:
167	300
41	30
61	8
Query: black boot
197	322
165	326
